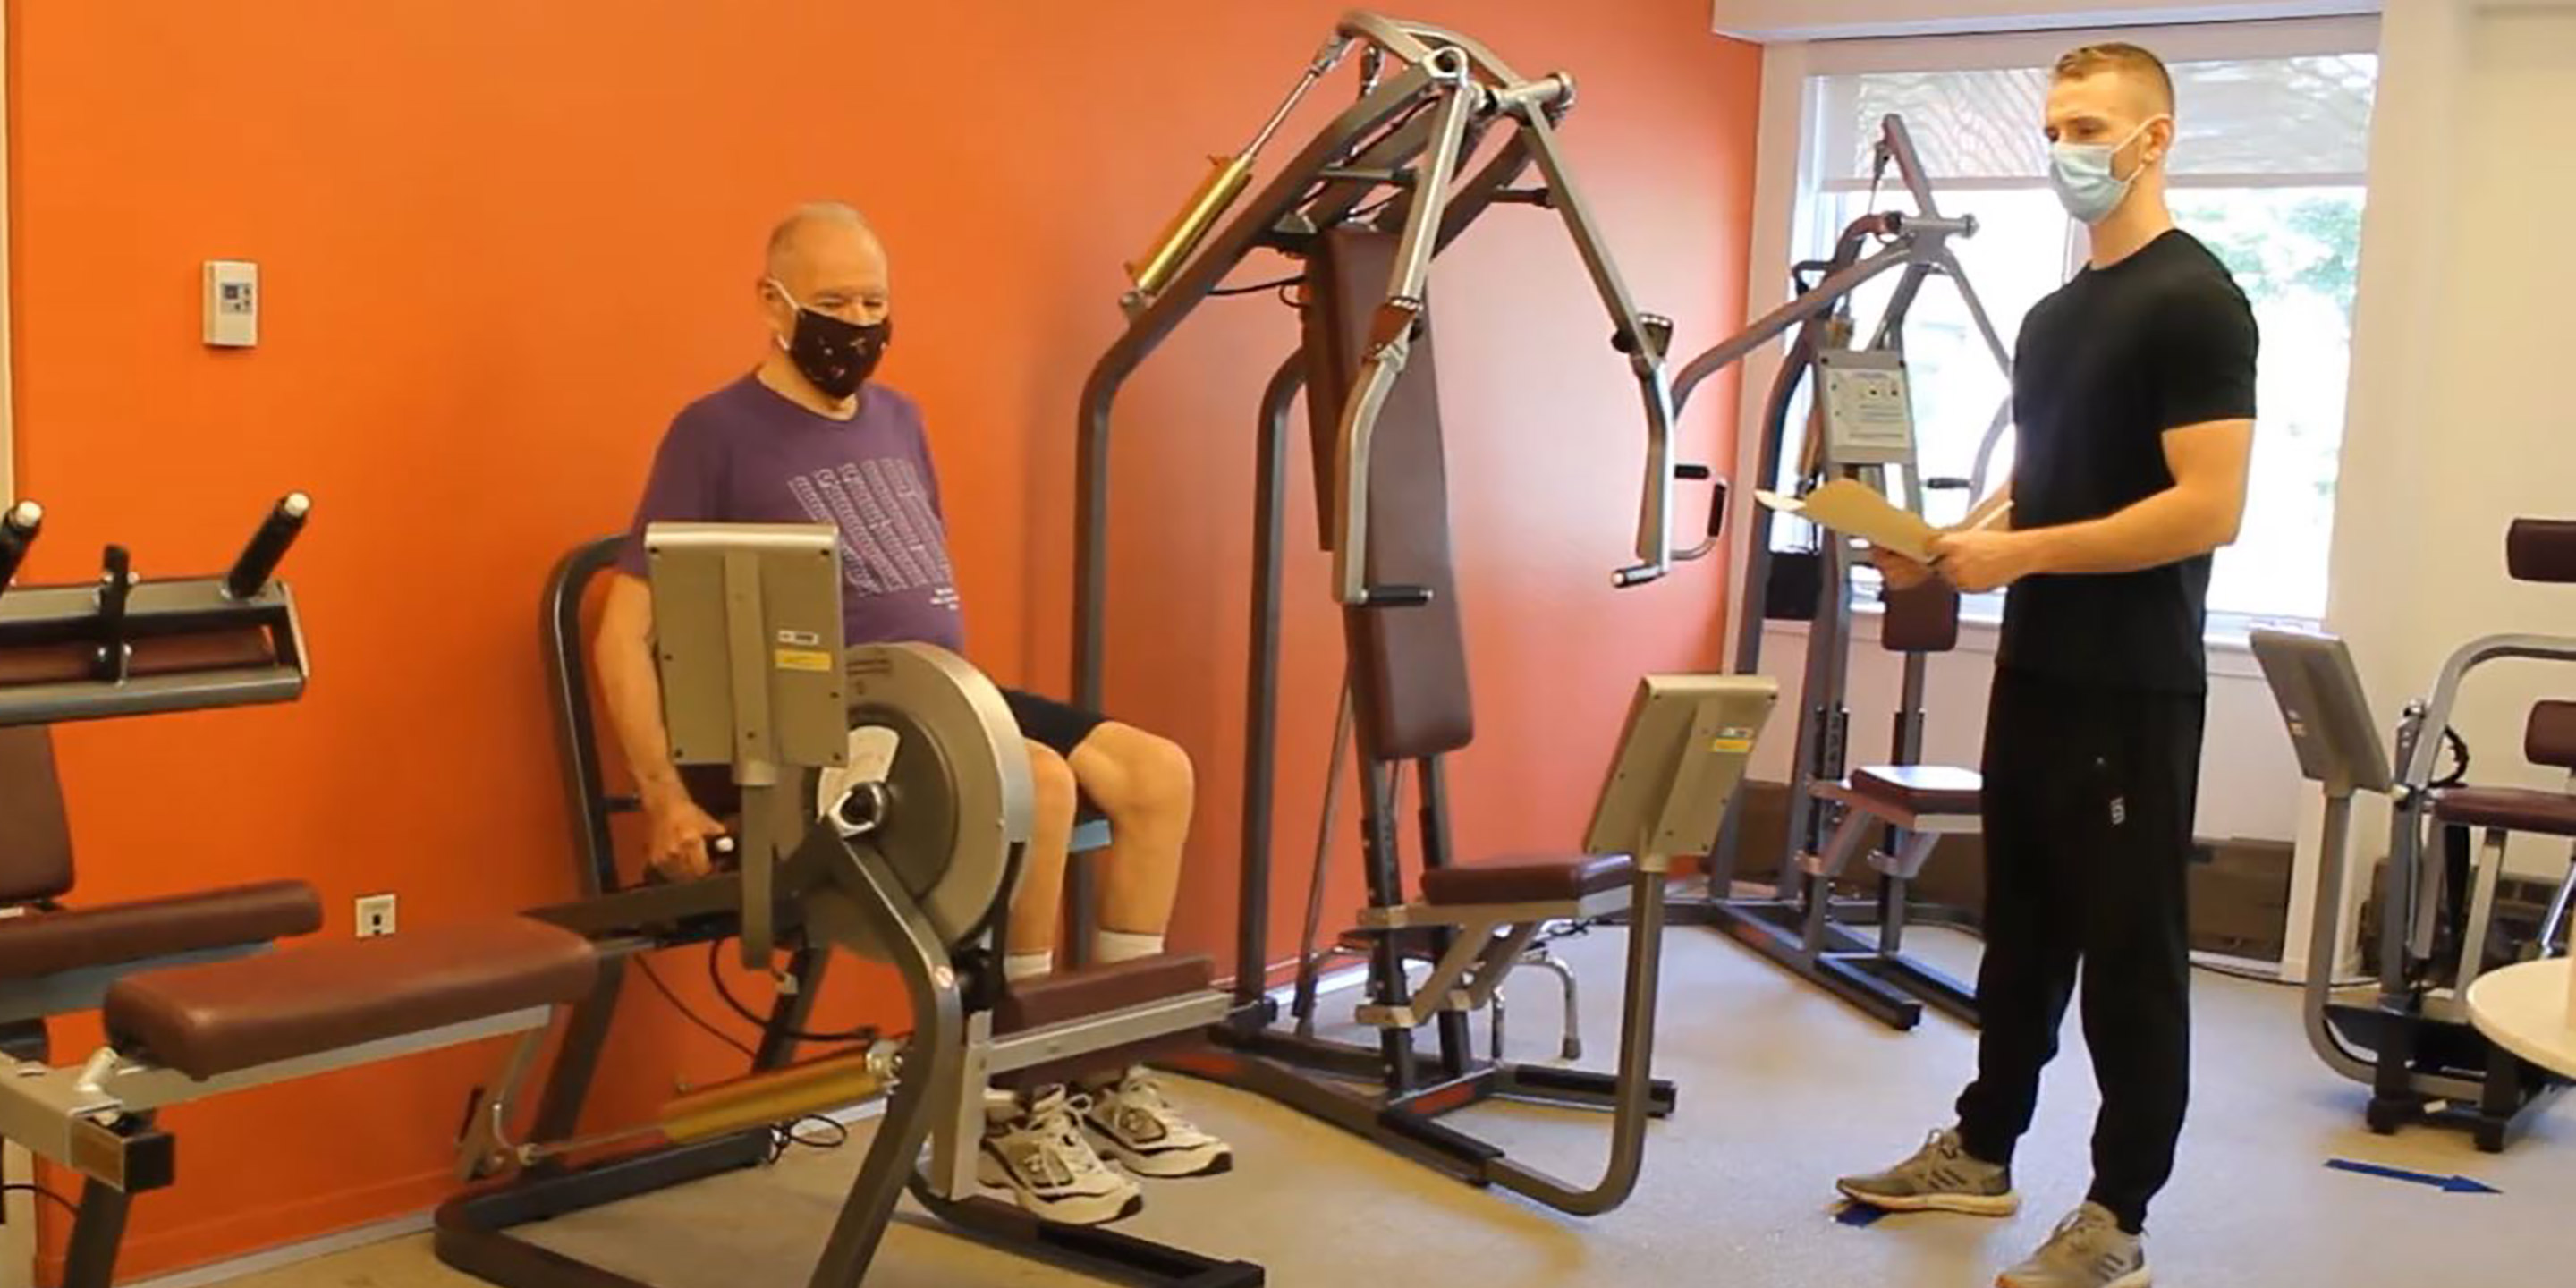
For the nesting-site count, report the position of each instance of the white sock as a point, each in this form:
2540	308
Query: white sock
1110	947
1020	966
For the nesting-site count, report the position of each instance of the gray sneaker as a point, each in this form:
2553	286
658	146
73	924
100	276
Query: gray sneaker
1941	1177
2089	1250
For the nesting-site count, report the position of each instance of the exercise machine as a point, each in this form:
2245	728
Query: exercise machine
1364	208
896	796
1860	427
193	1003
2408	1037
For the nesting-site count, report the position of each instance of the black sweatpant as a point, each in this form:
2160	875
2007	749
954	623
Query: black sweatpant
2088	826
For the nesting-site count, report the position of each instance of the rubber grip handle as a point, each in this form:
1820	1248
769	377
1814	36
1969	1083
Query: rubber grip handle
268	546
1395	597
18	529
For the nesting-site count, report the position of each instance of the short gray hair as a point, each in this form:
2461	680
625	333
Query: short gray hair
827	214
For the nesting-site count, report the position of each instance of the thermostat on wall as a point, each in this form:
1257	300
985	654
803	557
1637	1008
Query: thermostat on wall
232	303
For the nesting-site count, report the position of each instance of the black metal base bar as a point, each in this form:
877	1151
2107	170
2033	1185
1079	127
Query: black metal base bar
1091	1250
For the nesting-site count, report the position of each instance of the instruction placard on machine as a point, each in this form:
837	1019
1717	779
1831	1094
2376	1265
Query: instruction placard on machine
1869	412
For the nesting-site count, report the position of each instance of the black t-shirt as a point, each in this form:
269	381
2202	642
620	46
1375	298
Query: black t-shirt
2160	340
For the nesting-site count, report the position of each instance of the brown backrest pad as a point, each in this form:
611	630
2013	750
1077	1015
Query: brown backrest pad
1526	880
153	655
1408	665
227	1016
2549	737
2541	550
47	943
1924	619
35	836
1097	990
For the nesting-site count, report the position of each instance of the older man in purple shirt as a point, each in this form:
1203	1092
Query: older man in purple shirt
808	437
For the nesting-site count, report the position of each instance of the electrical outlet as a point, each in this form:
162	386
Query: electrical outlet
375	915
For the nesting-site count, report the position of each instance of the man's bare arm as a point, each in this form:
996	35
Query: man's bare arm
631	685
2199	513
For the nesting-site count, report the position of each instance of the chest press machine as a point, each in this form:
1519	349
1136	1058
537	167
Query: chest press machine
193	1002
1365	207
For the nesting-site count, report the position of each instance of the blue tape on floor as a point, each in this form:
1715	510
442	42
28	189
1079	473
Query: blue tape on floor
2446	1184
1860	1215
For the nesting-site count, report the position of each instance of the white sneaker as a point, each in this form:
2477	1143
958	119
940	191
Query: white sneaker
1142	1132
1039	1154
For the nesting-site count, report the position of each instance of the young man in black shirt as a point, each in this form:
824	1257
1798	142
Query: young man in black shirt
2133	392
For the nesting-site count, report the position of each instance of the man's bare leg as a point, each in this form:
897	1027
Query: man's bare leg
1037	906
1145	785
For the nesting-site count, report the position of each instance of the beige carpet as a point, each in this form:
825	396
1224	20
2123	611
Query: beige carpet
1782	1088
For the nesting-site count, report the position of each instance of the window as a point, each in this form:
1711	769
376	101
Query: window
2268	171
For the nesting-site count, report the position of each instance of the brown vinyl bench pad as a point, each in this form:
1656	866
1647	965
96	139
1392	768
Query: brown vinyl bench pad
223	1017
1922	789
1526	880
47	943
1098	990
2515	809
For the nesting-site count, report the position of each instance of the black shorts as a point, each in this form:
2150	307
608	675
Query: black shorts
1058	726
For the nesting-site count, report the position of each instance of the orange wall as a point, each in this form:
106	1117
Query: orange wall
501	242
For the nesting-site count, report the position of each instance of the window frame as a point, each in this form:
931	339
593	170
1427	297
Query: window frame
1791	159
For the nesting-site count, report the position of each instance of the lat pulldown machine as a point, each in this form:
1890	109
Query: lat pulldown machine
1860	428
1365	207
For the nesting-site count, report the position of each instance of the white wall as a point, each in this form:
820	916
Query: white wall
2454	427
1780	20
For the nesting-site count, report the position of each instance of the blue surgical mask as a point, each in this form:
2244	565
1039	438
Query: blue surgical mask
2081	173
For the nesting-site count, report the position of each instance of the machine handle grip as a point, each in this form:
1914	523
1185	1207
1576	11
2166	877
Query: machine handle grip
1691	473
1636	575
115	586
18	529
268	546
1395	597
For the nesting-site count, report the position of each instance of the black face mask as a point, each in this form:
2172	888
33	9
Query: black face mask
835	354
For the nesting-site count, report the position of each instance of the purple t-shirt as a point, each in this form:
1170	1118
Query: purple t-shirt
745	454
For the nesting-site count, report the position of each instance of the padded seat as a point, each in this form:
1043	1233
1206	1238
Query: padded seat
1526	880
2517	809
1098	990
46	943
1922	789
223	1017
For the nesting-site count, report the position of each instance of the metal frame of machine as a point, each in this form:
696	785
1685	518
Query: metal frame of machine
894	866
1396	162
1917	248
2411	1043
